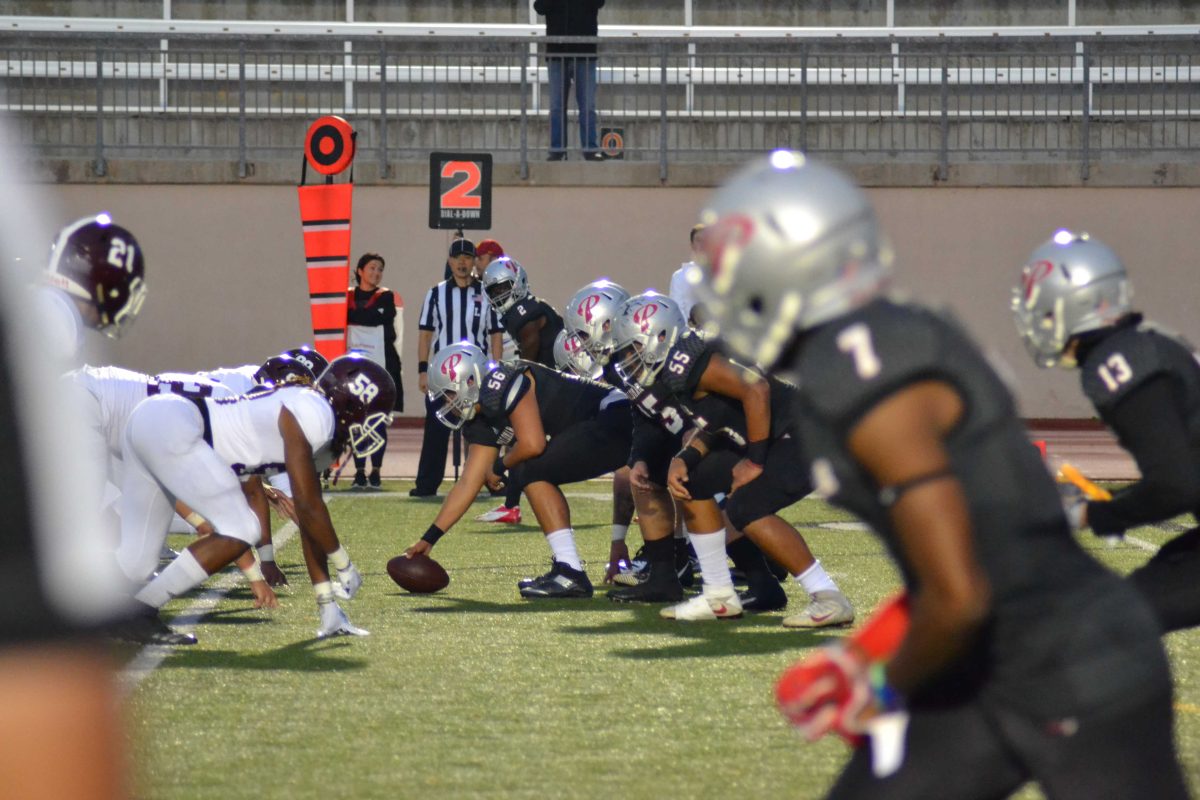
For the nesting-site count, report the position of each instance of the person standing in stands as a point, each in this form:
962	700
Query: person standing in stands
375	328
572	62
454	310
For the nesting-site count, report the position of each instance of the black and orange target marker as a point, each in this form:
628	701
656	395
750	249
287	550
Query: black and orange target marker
329	145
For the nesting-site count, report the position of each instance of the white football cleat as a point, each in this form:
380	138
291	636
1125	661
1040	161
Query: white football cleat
334	622
826	609
348	583
721	604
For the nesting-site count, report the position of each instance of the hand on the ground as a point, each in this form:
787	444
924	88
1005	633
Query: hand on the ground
618	554
264	595
273	574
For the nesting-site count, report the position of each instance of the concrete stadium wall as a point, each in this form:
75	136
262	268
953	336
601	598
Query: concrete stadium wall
646	12
226	262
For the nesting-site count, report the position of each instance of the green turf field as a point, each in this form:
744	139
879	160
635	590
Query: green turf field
473	692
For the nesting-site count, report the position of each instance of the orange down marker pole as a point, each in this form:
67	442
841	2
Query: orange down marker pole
325	211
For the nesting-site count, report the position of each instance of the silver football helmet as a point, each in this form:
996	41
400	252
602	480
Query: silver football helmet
455	377
505	283
788	244
590	315
1070	285
569	356
646	328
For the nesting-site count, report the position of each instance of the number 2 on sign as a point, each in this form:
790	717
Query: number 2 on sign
856	340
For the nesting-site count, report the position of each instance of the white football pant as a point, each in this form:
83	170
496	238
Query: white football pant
166	458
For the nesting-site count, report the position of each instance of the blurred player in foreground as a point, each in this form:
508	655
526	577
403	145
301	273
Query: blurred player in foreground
1073	309
1024	659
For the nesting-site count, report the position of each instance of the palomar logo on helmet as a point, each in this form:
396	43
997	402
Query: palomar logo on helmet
450	366
1034	274
585	308
723	241
642	316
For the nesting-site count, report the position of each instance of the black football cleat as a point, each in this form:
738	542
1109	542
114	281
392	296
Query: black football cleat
561	583
769	596
147	628
686	565
525	583
647	592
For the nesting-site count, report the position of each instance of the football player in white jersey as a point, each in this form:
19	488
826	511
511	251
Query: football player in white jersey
96	279
195	450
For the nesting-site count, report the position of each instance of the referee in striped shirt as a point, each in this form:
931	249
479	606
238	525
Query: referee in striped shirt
454	310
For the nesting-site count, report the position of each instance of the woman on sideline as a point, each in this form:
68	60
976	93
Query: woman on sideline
375	328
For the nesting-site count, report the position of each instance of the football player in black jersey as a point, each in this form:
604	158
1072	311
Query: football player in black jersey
550	420
571	358
1073	309
742	447
1024	659
533	325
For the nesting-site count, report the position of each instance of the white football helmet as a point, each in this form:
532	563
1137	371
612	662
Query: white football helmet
569	356
1070	285
788	244
455	377
647	326
590	315
505	283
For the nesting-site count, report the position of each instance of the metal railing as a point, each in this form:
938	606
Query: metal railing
677	96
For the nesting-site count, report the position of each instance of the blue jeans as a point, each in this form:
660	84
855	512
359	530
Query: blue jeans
581	71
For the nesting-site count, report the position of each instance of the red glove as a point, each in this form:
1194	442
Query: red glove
840	688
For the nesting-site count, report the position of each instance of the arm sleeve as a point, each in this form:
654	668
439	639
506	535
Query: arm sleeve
493	322
428	321
1150	425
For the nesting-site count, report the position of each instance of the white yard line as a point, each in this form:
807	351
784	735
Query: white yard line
150	656
1142	543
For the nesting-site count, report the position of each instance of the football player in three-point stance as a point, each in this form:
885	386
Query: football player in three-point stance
532	324
561	428
742	447
1024	659
195	450
1073	310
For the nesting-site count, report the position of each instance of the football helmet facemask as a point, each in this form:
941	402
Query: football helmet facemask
590	315
646	328
97	261
362	395
788	244
505	283
1070	285
455	377
569	356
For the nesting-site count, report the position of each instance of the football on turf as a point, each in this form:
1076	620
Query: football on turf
419	574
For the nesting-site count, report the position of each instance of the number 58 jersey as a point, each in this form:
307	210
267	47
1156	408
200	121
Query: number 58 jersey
245	429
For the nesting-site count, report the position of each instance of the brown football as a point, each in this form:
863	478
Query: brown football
419	574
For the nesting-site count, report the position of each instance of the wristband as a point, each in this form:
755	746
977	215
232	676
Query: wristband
194	519
756	452
887	698
422	367
498	466
266	552
254	573
433	534
690	456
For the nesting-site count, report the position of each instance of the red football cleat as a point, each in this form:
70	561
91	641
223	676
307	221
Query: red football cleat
511	516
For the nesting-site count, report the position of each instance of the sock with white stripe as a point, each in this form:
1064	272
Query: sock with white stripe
562	544
181	575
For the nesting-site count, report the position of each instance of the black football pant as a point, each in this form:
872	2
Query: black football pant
431	468
977	752
784	480
583	451
1170	582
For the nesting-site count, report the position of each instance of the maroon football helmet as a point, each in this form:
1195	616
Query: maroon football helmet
362	395
99	262
282	370
309	358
